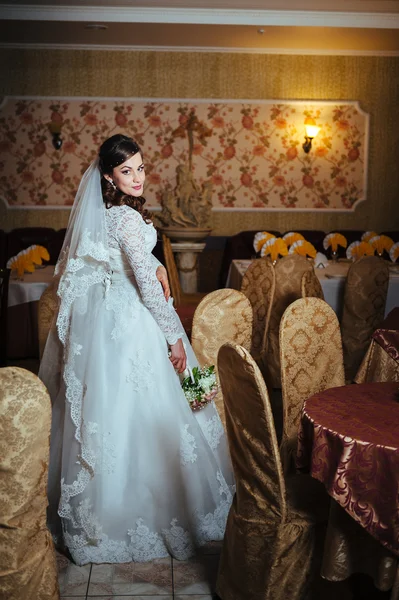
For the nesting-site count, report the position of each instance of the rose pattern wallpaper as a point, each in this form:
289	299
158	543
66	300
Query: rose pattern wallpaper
251	151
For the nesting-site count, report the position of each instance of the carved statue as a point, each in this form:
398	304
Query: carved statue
187	205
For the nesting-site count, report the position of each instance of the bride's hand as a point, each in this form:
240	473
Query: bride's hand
178	356
162	277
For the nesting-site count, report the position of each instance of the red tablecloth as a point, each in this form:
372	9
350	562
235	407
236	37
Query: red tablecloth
349	440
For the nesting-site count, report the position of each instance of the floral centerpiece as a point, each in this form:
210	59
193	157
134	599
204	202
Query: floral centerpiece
394	252
358	249
28	259
303	248
200	387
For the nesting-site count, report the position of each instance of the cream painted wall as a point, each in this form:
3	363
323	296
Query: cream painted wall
374	81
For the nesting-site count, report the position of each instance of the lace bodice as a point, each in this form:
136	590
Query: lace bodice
128	232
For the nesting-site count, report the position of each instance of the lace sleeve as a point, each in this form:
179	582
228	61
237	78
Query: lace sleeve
155	262
130	236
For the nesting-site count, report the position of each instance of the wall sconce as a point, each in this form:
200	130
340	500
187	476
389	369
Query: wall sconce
311	130
55	130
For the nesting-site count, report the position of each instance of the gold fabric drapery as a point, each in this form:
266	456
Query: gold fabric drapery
222	316
365	296
28	567
268	546
311	361
289	271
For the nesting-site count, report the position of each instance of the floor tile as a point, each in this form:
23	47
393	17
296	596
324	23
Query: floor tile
195	576
133	597
152	578
193	597
73	580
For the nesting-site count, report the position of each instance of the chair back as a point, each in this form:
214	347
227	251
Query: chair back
252	436
171	267
365	295
222	316
311	286
258	285
4	282
311	361
48	304
28	565
289	271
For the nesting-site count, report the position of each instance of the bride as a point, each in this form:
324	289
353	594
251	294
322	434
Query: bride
134	474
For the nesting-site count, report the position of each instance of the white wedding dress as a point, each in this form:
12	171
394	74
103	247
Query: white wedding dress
134	473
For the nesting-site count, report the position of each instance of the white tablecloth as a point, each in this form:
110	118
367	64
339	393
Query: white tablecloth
332	280
31	287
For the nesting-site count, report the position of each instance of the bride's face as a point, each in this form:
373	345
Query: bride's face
129	177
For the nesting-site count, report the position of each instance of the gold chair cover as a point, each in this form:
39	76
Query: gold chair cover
222	316
289	271
365	296
311	361
28	569
311	286
258	285
47	308
267	552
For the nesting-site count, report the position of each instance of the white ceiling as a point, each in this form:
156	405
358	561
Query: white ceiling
369	27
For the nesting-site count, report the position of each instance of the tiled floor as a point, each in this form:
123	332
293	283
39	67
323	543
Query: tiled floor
162	579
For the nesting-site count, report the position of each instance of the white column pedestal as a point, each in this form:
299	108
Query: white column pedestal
187	254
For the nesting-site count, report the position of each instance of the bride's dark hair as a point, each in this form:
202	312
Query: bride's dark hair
113	152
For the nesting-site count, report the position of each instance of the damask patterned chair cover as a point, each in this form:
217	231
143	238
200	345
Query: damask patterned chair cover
47	307
258	285
289	271
28	569
311	286
268	545
222	316
365	296
311	361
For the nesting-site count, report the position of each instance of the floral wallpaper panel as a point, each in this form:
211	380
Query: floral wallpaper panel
251	151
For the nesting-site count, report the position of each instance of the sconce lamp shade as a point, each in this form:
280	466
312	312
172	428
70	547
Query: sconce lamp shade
311	130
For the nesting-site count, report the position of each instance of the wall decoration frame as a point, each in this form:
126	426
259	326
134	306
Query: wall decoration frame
250	150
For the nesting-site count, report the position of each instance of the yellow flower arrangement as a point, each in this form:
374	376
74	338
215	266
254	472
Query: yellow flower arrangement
367	235
292	237
358	249
26	260
394	252
303	248
261	238
334	240
275	247
381	243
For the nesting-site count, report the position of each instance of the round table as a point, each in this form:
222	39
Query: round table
349	440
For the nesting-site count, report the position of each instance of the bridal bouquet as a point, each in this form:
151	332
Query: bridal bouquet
200	387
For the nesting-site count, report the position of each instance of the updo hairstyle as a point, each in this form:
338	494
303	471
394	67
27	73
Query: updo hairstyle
113	152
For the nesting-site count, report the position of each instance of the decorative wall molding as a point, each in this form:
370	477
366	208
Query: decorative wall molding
204	16
252	151
207	49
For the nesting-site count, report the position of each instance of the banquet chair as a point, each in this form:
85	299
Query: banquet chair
4	282
289	271
47	306
185	304
311	361
28	567
222	316
365	294
311	286
258	285
268	548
